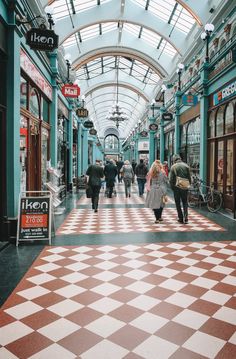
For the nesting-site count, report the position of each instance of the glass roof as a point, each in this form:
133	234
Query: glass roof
63	8
169	11
129	66
93	31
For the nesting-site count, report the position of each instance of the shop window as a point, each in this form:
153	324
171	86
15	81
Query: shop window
229	118
34	103
44	155
220	122
220	166
45	110
212	162
111	143
184	136
211	125
23	92
23	152
193	132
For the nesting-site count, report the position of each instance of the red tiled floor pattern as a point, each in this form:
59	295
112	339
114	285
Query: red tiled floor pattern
151	301
126	220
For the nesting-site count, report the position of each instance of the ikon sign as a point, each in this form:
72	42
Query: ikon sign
42	39
70	90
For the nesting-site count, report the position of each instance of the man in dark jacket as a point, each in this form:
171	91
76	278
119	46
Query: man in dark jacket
95	173
141	171
180	169
110	172
119	165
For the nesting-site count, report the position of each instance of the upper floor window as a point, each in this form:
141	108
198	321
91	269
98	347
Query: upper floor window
211	125
220	122
229	118
34	103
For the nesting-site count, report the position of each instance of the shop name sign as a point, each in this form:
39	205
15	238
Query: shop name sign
153	127
92	132
144	133
224	94
42	39
88	124
189	100
167	116
72	91
82	112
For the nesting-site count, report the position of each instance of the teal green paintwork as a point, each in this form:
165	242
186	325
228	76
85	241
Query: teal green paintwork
177	121
70	141
162	136
13	123
53	110
151	142
79	148
85	151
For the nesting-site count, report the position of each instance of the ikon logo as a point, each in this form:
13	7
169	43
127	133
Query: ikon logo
42	39
34	205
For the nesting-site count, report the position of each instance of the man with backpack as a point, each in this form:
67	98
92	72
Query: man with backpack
141	171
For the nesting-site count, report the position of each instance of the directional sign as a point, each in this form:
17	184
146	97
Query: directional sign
82	112
153	127
167	116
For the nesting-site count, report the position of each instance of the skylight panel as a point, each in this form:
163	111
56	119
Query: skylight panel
109	26
151	37
89	32
167	48
132	29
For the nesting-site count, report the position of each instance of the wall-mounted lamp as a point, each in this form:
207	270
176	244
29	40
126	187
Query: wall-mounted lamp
49	10
67	57
205	36
179	71
163	90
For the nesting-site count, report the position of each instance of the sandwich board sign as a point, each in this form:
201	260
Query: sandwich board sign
34	216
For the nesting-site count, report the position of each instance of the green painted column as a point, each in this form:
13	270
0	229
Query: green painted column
136	148
70	141
162	135
13	121
178	97
53	109
151	142
85	150
94	149
203	122
79	141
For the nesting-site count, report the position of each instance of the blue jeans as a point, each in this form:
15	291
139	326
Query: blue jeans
141	184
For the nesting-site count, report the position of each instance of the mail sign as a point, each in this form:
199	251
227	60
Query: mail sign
72	91
42	39
224	94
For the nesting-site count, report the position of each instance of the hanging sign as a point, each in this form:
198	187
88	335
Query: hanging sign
153	127
88	124
189	100
144	133
92	132
69	90
167	116
82	112
34	218
42	39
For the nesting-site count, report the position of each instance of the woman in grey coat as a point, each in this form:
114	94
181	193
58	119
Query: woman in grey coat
156	190
128	174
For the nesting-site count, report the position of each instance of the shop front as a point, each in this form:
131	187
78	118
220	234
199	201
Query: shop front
75	150
190	144
222	143
62	144
35	98
169	143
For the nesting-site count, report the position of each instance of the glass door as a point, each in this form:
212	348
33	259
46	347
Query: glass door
230	180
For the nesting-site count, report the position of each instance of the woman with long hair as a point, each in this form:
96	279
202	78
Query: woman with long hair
128	174
156	190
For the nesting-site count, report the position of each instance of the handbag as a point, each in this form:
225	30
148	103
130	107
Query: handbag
164	199
182	183
88	191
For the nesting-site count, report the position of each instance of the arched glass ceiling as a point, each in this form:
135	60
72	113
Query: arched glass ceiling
130	67
64	8
169	11
93	31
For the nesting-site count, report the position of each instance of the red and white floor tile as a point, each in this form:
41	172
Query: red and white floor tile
126	220
162	300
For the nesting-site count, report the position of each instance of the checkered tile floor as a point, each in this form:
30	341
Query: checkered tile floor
152	301
126	220
118	199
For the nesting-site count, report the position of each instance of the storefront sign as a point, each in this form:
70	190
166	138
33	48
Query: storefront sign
189	100
143	146
82	112
34	74
167	116
88	124
153	127
34	218
224	94
92	132
72	91
144	133
42	39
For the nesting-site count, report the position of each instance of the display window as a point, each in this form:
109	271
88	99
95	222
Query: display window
34	136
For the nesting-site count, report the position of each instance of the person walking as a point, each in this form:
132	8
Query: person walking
128	175
95	174
141	171
180	170
110	172
157	191
119	165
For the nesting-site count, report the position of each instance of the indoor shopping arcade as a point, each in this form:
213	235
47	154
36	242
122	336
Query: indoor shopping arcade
92	86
